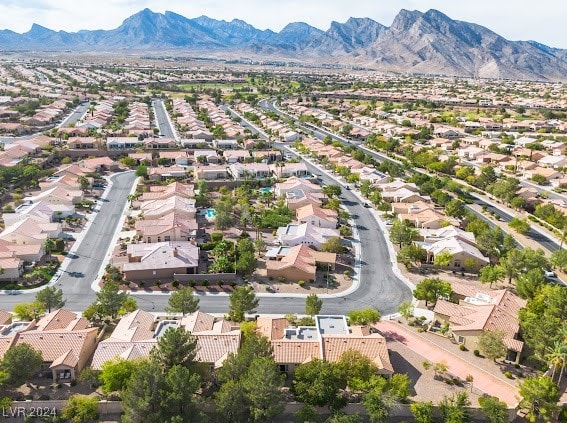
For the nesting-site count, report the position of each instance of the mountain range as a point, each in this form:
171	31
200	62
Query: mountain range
416	42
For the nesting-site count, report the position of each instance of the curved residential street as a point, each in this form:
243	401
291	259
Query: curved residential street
379	287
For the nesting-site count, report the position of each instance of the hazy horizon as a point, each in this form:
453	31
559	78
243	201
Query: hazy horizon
514	20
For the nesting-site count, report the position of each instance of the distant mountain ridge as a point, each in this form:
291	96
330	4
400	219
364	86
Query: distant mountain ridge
416	42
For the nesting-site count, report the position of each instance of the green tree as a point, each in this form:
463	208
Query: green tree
342	418
406	309
242	300
443	259
519	225
491	274
236	365
557	357
20	364
379	406
494	410
539	396
178	404
110	299
356	369
543	318
81	409
367	316
142	171
318	383
83	182
455	208
431	289
491	344
559	259
332	191
115	374
412	255
333	245
454	409
29	311
422	411
529	283
402	233
49	245
51	298
143	397
175	347
183	301
313	305
262	387
246	263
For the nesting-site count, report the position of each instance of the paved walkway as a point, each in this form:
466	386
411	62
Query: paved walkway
484	381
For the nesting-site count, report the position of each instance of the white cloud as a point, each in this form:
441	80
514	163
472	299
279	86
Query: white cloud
518	19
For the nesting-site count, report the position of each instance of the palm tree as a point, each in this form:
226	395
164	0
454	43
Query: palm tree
49	246
557	357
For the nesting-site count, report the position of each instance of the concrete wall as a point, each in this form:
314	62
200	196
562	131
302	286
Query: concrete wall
213	277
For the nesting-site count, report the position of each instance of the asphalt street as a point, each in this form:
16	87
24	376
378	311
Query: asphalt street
162	120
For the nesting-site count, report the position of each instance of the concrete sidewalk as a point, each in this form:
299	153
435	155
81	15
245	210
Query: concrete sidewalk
484	381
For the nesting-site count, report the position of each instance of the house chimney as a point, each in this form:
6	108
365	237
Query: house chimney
175	252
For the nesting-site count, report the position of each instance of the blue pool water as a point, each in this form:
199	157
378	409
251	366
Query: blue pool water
266	190
210	213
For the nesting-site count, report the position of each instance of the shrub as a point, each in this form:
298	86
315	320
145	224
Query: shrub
281	279
73	382
192	283
509	375
422	318
175	283
216	237
205	282
462	347
476	353
311	280
301	283
232	284
220	283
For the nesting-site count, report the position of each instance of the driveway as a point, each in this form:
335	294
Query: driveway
484	381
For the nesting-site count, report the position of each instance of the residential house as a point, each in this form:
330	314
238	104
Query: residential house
292	169
305	233
328	340
29	253
161	260
138	332
206	156
63	339
230	144
83	143
155	209
317	216
297	263
170	227
163	173
553	162
29	231
211	173
236	156
420	214
250	170
548	173
461	249
124	143
480	312
161	143
294	184
297	199
41	212
180	158
402	195
160	192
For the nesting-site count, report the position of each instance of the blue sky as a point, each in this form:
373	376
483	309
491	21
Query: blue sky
543	20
